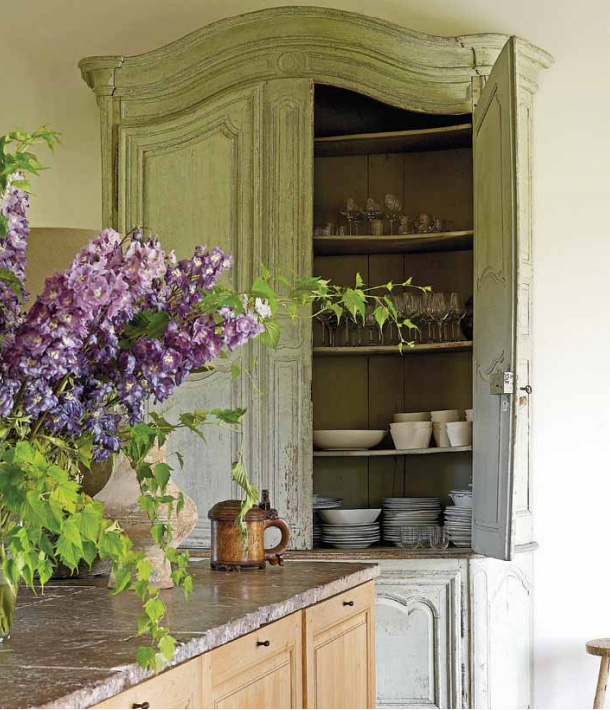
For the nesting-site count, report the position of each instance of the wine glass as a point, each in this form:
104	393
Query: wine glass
427	316
323	317
411	310
457	311
439	312
371	212
392	205
352	213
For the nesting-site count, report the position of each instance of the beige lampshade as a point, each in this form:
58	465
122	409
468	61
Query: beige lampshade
51	249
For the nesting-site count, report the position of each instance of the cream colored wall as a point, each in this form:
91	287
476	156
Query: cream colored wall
40	83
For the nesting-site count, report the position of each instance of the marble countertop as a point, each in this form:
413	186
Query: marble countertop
75	645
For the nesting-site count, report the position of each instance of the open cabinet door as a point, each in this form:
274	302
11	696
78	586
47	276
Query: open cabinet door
502	293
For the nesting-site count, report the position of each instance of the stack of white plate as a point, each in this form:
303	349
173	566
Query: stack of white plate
458	525
351	537
322	503
350	529
403	512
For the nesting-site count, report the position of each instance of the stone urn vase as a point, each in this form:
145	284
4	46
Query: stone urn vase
120	497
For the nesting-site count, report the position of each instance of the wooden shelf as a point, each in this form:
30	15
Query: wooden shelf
342	350
392	452
393	244
395	141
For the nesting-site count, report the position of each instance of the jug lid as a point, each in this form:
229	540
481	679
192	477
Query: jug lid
228	510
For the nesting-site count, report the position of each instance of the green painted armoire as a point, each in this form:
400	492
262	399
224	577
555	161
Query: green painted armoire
248	133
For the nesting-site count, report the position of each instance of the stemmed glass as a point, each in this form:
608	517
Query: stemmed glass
438	312
370	325
371	212
323	317
392	205
352	213
411	309
457	311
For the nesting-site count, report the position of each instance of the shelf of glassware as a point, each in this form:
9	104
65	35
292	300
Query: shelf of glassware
393	243
355	350
392	452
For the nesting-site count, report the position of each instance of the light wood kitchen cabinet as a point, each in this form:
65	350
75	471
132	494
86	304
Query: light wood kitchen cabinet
340	651
321	657
261	670
178	688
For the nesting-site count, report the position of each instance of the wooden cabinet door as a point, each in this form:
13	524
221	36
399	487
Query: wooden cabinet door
419	644
190	179
502	305
261	670
340	651
178	687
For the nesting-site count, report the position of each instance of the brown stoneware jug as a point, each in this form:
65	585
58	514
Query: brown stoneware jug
229	552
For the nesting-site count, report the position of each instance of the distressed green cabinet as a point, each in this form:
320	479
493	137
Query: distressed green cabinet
210	140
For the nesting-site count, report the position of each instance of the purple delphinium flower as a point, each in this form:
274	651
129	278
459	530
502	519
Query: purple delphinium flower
67	362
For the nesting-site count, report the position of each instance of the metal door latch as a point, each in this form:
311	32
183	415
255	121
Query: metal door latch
502	383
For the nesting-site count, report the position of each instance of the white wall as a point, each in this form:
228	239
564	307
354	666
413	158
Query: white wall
40	83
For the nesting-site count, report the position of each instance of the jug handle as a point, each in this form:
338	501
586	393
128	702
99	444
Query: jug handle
273	555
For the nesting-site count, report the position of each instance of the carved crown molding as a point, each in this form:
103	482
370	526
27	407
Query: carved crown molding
386	61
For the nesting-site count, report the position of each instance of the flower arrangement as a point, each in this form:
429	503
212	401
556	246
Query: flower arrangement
125	323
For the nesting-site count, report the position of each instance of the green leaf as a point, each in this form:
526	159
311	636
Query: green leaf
354	302
167	646
155	609
260	288
359	281
145	656
187	587
157	532
12	281
122	580
235	370
381	316
229	416
90	523
271	335
162	473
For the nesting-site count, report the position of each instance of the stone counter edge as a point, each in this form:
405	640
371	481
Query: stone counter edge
126	677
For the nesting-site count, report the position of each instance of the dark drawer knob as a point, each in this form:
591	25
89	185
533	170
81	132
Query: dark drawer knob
350	603
144	706
263	643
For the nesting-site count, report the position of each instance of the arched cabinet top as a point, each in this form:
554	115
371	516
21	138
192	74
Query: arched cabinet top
385	61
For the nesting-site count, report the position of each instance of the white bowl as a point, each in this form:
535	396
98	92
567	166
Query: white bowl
440	435
461	499
412	417
350	517
460	433
347	439
407	426
469	414
447	415
411	435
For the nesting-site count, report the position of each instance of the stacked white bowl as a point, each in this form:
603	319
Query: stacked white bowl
350	529
450	429
411	430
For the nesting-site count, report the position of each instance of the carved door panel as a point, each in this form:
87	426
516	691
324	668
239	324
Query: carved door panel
502	279
190	179
502	626
418	643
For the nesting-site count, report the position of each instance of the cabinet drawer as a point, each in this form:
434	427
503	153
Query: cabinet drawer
261	670
176	688
334	610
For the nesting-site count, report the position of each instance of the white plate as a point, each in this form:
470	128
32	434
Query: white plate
350	517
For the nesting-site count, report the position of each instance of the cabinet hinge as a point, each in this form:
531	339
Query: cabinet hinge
502	383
